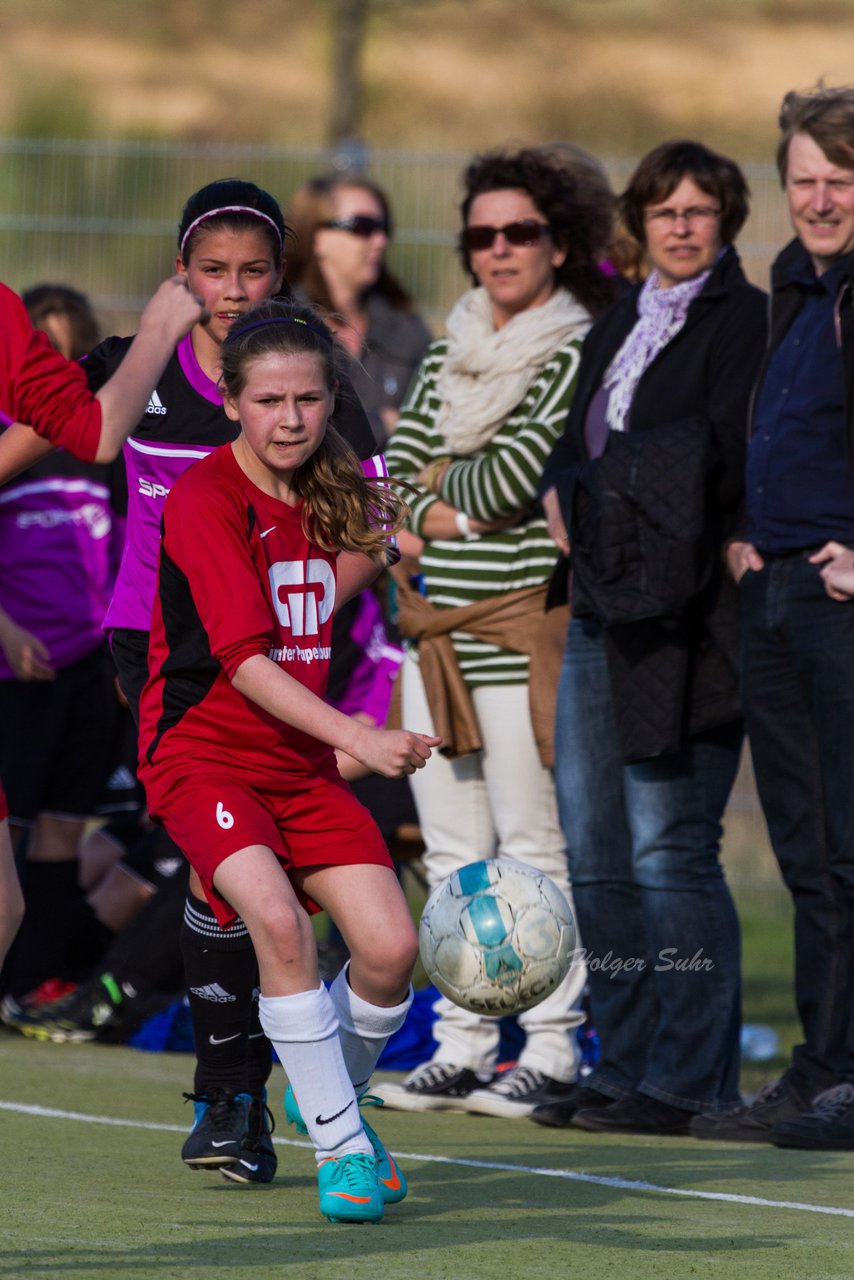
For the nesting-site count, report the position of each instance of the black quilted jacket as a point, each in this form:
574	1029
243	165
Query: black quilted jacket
648	519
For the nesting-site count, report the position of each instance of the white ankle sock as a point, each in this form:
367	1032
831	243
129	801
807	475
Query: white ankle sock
363	1029
304	1030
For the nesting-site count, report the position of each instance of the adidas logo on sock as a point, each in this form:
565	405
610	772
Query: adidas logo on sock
155	404
213	991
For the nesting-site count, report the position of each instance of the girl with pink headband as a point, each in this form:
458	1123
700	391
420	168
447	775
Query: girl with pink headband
231	253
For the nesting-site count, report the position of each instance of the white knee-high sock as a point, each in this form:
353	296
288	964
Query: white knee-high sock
363	1029
304	1030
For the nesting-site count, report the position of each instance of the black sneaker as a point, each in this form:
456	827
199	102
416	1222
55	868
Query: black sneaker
828	1125
637	1114
257	1161
516	1092
434	1086
85	1014
775	1103
219	1129
558	1115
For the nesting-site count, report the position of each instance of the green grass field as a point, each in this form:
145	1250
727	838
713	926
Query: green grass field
93	1186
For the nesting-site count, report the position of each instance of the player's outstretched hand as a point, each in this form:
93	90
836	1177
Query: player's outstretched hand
395	753
173	310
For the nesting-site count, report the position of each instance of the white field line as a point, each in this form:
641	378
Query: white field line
568	1175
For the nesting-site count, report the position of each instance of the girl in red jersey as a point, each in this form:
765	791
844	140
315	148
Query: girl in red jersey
42	392
261	540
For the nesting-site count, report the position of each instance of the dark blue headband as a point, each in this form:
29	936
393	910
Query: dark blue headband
259	324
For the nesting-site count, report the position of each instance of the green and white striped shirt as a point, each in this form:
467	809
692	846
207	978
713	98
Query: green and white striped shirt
499	480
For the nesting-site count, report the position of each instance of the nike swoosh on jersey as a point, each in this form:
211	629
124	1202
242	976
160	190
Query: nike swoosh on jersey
329	1119
266	531
223	1039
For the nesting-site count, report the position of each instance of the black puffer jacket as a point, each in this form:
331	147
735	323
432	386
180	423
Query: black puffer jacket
649	519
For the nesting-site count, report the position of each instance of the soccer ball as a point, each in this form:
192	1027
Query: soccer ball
497	937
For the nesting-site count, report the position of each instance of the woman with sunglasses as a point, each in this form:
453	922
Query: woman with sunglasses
482	417
645	485
342	227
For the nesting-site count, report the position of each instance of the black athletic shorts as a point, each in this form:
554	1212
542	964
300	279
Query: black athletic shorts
130	654
122	799
56	739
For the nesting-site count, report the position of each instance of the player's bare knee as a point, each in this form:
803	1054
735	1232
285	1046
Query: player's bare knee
286	927
387	966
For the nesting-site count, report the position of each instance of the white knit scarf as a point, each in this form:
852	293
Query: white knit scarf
487	371
661	314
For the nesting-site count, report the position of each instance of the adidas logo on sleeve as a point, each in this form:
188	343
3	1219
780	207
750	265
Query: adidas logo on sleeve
155	404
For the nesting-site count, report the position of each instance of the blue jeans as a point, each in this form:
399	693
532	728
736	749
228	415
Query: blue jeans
655	915
798	674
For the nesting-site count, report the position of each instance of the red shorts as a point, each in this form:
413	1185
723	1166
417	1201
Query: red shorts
212	815
4	808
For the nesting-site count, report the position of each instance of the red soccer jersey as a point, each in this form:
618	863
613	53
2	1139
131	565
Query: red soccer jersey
237	577
40	387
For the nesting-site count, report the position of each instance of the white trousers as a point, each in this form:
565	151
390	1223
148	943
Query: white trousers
500	801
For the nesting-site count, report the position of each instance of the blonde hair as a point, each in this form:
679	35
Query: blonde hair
345	510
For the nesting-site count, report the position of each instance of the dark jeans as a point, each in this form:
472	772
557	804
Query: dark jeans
798	673
655	915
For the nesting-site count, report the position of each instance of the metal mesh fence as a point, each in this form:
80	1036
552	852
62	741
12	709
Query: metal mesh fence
102	215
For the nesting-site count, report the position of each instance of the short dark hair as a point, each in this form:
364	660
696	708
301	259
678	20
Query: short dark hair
45	300
826	115
579	212
662	169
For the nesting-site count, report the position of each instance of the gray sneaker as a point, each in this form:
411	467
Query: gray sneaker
434	1086
514	1093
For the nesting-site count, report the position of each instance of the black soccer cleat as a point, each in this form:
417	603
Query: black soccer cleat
257	1161
219	1129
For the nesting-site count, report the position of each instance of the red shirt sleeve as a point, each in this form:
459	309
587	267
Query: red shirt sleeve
206	535
40	387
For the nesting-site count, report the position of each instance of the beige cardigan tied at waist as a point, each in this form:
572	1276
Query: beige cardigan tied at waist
516	620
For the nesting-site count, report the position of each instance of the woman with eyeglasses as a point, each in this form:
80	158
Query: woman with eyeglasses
483	415
642	492
342	227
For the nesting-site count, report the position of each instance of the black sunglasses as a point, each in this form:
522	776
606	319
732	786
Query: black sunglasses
525	232
359	225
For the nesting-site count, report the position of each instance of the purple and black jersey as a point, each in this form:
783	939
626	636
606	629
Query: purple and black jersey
59	542
184	422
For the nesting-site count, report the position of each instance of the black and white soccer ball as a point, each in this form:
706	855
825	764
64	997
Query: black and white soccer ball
497	937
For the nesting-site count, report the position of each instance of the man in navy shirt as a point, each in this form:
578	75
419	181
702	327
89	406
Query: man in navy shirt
798	630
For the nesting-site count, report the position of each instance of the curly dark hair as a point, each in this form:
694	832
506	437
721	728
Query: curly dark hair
662	169
579	213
